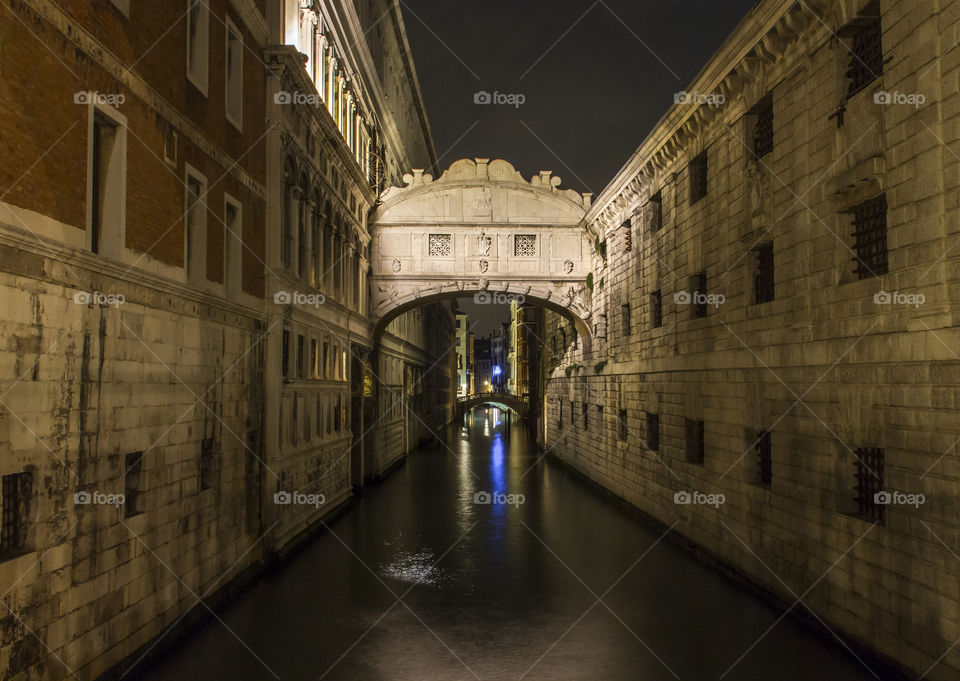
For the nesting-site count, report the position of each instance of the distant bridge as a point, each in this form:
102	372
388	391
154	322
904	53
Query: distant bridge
503	400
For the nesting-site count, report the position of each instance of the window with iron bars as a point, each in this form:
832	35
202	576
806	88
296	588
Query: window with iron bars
763	276
870	237
764	451
763	127
625	318
694	440
869	482
16	490
866	50
656	309
656	211
698	177
653	432
622	425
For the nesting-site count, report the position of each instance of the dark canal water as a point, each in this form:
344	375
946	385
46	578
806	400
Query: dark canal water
496	591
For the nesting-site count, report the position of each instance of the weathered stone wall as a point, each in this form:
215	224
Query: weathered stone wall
825	366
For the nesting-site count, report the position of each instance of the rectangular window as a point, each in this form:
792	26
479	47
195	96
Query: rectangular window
698	177
585	416
234	75
525	245
869	483
694	440
762	117
319	409
763	275
573	419
560	414
15	495
306	419
195	222
325	361
285	355
209	468
294	420
133	484
107	183
655	206
198	44
866	49
870	238
625	319
314	359
764	450
301	355
653	432
233	252
622	425
698	286
656	309
337	414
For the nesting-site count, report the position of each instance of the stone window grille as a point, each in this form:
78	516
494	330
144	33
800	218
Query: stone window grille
870	237
133	486
653	432
869	482
866	50
440	245
656	211
763	279
764	451
695	444
763	128
656	309
16	491
698	177
525	245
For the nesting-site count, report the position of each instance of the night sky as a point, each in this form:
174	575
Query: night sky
592	97
590	100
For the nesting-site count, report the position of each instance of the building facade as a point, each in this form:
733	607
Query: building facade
183	222
773	320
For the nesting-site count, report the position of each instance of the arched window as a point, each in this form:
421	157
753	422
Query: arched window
289	213
303	241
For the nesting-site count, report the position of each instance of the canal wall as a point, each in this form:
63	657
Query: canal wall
773	328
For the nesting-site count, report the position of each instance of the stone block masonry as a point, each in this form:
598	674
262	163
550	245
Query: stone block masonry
782	333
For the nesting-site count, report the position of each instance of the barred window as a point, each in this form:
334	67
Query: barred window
16	491
866	50
763	276
764	451
625	318
694	440
763	127
525	245
656	309
440	245
698	177
653	432
870	237
656	211
869	483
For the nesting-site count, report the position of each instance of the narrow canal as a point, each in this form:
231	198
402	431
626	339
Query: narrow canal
417	581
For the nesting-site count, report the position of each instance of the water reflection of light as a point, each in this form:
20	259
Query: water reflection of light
497	472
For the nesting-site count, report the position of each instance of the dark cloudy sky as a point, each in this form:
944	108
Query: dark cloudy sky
596	76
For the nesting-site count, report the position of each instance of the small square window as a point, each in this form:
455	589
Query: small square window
525	245
440	245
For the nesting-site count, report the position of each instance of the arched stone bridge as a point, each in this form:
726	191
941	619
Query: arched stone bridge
508	400
481	228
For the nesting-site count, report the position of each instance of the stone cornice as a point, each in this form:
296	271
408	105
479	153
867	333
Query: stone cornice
761	40
255	22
